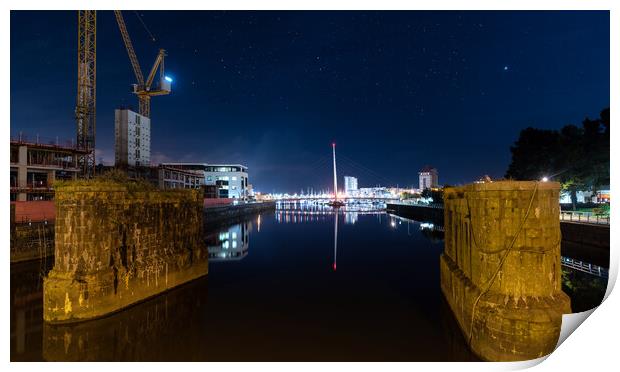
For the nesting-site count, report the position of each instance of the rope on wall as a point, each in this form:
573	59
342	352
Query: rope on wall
489	283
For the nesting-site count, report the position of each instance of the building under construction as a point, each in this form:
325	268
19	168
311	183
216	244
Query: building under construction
35	164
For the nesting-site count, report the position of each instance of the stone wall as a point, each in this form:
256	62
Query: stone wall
501	267
117	244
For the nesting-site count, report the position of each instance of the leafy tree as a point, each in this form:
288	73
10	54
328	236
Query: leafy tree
534	155
578	157
408	195
426	193
437	195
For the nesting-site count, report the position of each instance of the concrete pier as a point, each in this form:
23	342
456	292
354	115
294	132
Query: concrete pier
226	212
500	270
581	241
417	212
117	244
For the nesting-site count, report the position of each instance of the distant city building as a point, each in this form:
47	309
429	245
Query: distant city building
231	179
36	164
132	138
429	178
350	184
373	192
175	178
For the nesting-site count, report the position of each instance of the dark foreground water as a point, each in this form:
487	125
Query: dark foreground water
294	285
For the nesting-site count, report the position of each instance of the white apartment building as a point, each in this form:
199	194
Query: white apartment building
132	138
230	179
429	178
350	185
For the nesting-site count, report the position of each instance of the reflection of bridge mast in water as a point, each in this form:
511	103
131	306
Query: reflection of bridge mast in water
335	238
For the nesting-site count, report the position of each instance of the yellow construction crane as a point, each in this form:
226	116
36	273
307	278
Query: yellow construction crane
142	88
85	108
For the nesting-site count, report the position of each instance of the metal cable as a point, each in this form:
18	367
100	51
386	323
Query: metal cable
501	264
153	39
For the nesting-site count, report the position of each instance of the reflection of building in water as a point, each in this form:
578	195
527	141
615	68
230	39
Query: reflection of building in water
27	308
312	211
350	217
433	232
230	244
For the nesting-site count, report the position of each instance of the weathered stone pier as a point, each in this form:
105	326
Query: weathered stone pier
500	270
119	243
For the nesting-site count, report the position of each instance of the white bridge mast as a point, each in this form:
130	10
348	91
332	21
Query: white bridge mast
335	177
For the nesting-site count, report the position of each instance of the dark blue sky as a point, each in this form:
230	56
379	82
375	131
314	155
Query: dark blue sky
272	90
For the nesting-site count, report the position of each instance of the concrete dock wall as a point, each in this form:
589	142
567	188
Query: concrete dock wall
500	270
221	213
581	241
420	213
586	242
31	241
118	244
33	211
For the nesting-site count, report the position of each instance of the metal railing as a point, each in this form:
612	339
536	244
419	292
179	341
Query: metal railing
584	217
568	216
21	138
415	203
584	267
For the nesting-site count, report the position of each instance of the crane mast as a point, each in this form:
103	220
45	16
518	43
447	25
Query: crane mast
85	109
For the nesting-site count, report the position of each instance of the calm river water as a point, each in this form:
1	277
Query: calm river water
299	284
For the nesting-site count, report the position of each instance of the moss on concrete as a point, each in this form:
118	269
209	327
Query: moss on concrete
500	270
118	243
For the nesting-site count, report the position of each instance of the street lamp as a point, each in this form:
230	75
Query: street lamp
545	179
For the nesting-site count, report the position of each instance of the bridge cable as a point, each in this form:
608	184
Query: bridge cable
366	171
153	39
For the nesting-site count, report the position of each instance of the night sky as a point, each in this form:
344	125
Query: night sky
272	90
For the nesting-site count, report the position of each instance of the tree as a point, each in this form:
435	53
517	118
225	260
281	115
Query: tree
426	193
534	155
578	157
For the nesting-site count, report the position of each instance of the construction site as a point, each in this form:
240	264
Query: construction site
37	163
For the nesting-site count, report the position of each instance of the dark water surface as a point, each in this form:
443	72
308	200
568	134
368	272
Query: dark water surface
282	286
